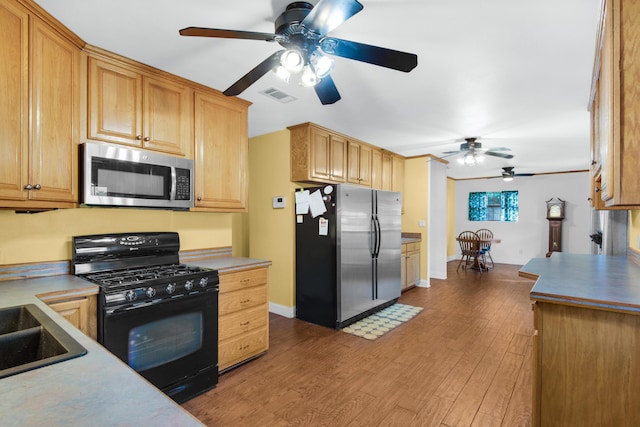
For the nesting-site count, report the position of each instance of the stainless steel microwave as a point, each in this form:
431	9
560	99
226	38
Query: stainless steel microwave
114	175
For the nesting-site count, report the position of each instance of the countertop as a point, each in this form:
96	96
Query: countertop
410	238
96	389
596	281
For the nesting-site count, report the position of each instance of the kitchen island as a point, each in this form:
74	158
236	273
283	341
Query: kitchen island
96	389
586	340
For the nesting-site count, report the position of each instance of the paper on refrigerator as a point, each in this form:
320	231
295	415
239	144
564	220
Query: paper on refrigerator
302	202
316	204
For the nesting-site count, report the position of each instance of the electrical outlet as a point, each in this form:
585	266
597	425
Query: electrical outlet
422	223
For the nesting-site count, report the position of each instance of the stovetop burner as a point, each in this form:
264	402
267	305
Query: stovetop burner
141	275
138	268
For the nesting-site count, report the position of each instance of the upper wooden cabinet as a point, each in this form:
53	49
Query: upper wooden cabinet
221	153
359	163
317	154
39	111
397	173
615	119
127	106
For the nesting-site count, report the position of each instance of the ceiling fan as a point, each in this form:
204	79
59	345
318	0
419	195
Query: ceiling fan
302	31
472	151
508	174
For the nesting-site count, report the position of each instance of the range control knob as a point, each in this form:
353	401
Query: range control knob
188	285
130	295
151	292
171	288
203	282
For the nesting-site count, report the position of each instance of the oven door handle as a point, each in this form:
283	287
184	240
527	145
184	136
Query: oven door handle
131	307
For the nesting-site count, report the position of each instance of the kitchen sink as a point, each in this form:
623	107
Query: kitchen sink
29	339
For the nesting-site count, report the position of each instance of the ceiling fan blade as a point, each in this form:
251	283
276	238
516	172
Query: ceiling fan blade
329	14
451	152
327	91
498	149
502	155
375	55
226	34
254	75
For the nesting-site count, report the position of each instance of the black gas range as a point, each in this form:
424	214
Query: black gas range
158	315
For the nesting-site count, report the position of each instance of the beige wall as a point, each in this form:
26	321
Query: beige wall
452	245
416	204
272	231
46	236
634	229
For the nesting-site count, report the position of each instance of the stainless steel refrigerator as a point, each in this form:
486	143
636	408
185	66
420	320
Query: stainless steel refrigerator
348	258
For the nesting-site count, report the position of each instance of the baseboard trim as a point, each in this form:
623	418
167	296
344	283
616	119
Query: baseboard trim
281	310
424	284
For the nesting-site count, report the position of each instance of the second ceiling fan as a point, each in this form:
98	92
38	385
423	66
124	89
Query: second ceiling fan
472	151
302	31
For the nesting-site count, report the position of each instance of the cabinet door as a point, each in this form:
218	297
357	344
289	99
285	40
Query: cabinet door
376	169
606	101
413	268
338	156
55	107
320	154
221	145
115	103
359	164
167	116
80	312
365	165
397	171
403	267
14	90
387	167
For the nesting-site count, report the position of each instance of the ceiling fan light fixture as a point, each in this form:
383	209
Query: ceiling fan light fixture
508	174
308	78
321	64
282	73
292	61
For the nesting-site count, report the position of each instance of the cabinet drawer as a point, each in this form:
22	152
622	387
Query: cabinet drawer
240	348
412	247
243	279
242	321
239	300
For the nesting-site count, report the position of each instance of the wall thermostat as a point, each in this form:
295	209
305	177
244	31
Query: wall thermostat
279	202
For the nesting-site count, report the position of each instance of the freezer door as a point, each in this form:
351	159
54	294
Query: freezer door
389	214
354	250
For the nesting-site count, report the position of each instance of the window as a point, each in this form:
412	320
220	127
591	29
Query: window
493	206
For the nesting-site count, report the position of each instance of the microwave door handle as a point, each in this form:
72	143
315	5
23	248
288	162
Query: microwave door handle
173	183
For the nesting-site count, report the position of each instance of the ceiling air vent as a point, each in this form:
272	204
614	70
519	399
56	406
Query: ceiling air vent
278	95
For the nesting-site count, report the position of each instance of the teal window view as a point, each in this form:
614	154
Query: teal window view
493	206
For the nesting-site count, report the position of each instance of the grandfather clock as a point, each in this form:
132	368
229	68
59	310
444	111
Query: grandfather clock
555	215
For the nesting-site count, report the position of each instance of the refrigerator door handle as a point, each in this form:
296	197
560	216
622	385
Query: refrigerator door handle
378	236
372	237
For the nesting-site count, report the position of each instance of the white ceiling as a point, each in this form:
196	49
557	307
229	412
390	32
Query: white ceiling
516	73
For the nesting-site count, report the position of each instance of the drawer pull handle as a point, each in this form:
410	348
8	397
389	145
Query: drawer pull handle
245	323
245	301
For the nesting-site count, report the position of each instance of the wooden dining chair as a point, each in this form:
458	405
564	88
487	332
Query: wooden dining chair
485	247
469	246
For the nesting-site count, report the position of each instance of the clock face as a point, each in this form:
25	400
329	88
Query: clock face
555	211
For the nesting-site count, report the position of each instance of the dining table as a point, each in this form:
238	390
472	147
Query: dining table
477	244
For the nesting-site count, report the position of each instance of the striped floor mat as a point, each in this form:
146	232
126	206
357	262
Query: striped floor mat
378	324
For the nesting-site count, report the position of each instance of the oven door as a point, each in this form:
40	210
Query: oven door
166	341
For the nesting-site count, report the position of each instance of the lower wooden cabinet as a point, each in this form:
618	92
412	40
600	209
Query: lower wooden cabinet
410	265
243	325
81	312
586	366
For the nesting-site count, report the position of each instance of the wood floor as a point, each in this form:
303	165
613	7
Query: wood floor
465	360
